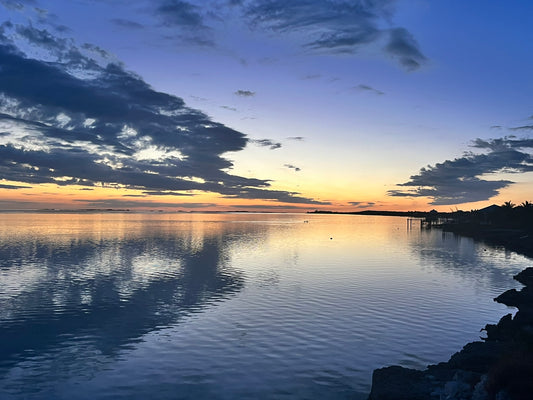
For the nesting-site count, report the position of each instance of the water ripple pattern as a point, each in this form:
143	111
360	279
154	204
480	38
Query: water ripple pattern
226	306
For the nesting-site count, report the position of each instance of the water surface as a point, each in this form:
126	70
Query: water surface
224	306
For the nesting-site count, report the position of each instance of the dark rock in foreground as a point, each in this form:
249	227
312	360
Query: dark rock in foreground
499	368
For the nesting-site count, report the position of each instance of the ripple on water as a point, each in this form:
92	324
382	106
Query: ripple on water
232	306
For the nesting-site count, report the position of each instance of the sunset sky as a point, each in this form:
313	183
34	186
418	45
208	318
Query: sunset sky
271	105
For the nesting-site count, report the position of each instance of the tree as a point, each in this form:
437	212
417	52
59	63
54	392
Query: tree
508	205
526	204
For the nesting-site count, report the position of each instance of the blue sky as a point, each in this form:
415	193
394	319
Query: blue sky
266	104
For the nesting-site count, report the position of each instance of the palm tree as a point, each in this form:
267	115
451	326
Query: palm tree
508	205
526	204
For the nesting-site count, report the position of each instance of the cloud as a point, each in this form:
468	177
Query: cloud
297	138
16	4
362	204
290	166
336	27
267	143
228	108
266	207
245	93
164	193
312	77
403	46
462	180
74	119
522	128
180	13
14	187
187	18
126	23
366	88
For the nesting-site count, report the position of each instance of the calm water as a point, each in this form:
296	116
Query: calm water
224	306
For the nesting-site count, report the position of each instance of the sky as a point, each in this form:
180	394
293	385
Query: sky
265	105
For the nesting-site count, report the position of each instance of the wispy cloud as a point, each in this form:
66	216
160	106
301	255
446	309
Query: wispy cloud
186	21
362	204
402	45
126	23
297	138
336	27
462	180
370	89
522	128
255	207
267	143
180	13
74	119
228	108
290	166
13	187
245	93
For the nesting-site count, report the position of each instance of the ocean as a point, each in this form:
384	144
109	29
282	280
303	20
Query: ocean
233	305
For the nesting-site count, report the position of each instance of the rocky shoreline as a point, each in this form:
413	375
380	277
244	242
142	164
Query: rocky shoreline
500	367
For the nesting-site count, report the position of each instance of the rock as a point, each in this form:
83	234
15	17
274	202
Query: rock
499	368
461	387
511	298
476	357
525	277
399	383
503	330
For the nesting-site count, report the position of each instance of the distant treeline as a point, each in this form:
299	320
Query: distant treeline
414	214
508	215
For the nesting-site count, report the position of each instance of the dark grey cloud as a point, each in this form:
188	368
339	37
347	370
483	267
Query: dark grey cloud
297	138
186	21
290	166
312	77
80	121
166	193
522	128
336	26
127	23
267	143
362	204
245	93
370	89
180	13
403	46
16	4
462	180
257	207
228	108
14	187
286	197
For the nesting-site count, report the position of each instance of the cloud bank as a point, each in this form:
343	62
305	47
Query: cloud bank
463	179
70	118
